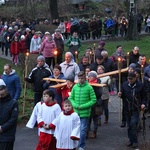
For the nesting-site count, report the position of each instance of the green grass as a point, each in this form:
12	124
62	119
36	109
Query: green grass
143	44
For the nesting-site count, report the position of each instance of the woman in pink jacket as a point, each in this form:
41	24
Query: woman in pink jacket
47	48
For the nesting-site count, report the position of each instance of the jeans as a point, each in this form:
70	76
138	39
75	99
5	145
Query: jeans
93	118
83	129
132	122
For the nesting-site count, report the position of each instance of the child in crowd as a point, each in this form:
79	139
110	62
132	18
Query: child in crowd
23	50
67	128
87	70
48	111
66	90
15	50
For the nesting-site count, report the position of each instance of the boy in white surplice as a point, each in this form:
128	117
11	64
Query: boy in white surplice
67	128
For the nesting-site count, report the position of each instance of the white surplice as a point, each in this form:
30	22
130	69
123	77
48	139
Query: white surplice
67	126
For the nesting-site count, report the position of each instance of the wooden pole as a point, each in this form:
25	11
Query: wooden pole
142	73
94	52
76	56
127	59
25	83
55	56
119	88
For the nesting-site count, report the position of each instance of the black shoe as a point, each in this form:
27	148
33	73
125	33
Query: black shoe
129	143
135	145
123	125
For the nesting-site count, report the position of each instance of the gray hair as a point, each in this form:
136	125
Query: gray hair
104	53
136	47
69	53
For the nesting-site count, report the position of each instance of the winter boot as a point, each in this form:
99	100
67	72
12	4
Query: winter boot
106	120
93	135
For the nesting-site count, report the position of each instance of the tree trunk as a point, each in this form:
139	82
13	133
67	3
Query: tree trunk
53	9
132	33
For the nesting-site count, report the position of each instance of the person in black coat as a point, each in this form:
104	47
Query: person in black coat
29	35
36	77
141	62
134	96
134	55
84	63
8	38
8	119
99	24
99	61
107	62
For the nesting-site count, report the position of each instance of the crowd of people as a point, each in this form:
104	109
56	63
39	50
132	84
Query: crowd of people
17	36
64	114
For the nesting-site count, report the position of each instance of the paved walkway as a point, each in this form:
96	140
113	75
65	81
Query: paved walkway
109	137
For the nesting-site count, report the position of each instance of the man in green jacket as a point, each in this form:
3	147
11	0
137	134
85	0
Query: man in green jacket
82	98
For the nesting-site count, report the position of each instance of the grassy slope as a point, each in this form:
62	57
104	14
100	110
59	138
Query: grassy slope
143	44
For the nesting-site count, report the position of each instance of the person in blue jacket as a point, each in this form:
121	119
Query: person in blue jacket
12	82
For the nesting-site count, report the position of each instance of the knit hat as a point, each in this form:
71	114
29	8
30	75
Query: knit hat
27	29
70	78
39	32
10	28
131	75
102	43
41	58
93	74
47	32
22	37
5	27
132	65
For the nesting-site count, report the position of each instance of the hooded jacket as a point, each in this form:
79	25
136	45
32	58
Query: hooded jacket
13	84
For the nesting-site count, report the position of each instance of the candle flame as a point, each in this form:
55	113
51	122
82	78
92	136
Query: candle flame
76	52
119	59
142	66
127	53
90	52
55	52
27	53
94	44
69	93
